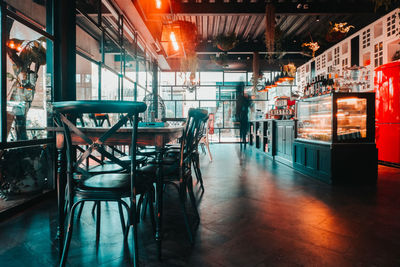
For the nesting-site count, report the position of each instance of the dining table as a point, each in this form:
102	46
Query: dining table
147	136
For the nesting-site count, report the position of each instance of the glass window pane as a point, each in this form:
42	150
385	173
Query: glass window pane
165	92
128	90
211	77
230	114
35	10
229	135
169	109
87	76
112	54
130	67
207	93
182	77
235	77
28	83
182	108
228	92
141	93
87	44
142	74
167	78
109	85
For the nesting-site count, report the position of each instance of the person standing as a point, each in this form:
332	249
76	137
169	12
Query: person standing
242	112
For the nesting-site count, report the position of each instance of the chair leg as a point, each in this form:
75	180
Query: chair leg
150	200
121	216
144	206
208	148
185	216
139	205
80	210
94	207
98	213
134	233
69	234
189	184
197	171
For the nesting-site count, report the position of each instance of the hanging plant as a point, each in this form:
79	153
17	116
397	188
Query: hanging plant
313	46
189	66
270	27
337	31
226	42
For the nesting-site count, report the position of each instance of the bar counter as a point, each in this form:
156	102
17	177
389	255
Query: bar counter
332	138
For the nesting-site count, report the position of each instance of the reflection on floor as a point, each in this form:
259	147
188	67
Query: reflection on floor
254	212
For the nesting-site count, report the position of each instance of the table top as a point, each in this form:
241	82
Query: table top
147	136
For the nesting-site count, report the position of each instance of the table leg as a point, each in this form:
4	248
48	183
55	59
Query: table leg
60	199
159	199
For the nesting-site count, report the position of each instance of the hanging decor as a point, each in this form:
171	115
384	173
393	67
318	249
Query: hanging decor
270	27
226	42
220	59
337	31
27	57
257	79
179	39
313	46
189	66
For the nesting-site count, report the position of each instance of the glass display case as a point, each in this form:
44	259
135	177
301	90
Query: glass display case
337	118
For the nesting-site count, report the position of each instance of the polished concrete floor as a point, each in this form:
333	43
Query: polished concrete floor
254	212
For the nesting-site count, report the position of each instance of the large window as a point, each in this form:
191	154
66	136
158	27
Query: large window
111	54
26	151
217	93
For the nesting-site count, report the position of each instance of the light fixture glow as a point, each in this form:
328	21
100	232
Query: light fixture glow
174	42
158	4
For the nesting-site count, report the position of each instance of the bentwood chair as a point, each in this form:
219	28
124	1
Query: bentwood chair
106	186
177	170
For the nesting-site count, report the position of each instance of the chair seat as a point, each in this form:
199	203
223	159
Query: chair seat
106	168
140	159
151	170
166	161
147	151
115	182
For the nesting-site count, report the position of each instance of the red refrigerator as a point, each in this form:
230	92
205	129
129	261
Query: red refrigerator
387	112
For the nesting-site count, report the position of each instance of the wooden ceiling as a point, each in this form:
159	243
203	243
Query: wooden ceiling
297	20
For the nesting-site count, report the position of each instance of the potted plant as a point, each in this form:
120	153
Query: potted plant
337	31
226	42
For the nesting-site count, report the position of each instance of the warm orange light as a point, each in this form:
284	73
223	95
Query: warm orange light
173	40
158	4
11	45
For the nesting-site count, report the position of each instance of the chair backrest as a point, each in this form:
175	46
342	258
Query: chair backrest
195	121
65	114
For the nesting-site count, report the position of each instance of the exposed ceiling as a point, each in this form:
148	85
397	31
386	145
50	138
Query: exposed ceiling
297	21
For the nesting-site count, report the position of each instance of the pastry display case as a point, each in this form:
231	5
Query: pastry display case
337	118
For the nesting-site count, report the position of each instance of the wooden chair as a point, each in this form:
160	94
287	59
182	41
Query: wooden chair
106	186
177	170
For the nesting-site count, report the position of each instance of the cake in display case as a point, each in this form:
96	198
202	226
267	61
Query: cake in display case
336	118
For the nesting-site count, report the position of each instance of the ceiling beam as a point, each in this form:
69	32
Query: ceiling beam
285	8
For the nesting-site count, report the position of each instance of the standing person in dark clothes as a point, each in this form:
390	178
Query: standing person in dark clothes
242	112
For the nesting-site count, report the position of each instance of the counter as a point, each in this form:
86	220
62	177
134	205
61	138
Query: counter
275	138
333	138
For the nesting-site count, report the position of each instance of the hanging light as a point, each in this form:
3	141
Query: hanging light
173	40
158	4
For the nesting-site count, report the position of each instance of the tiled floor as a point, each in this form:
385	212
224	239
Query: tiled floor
254	212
